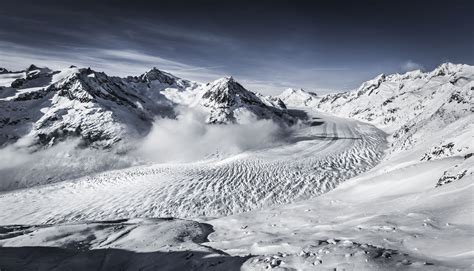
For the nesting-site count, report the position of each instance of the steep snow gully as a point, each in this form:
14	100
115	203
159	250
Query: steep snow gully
316	158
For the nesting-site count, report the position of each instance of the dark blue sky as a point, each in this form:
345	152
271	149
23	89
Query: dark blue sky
268	46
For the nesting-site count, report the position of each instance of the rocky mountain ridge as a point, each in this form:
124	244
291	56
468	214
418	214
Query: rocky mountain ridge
40	107
432	112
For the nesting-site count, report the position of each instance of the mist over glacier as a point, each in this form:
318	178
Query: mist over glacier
20	167
188	138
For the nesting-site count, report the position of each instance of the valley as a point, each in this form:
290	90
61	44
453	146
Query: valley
313	160
376	178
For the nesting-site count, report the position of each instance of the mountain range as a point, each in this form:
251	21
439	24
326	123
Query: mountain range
378	178
40	107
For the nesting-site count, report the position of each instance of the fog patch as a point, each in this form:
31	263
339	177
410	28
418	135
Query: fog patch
189	138
185	139
21	168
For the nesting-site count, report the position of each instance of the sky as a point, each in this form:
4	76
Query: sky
321	46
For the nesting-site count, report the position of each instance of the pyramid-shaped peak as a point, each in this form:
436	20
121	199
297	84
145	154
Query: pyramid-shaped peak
227	84
156	71
227	91
32	67
224	80
296	91
158	75
3	70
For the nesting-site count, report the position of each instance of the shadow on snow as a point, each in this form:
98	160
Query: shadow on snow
57	258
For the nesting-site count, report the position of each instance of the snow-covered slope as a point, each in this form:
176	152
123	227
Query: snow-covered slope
43	107
299	98
432	112
406	100
137	244
159	85
391	218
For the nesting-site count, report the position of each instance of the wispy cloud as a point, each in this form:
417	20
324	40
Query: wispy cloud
112	61
411	66
261	77
203	68
179	33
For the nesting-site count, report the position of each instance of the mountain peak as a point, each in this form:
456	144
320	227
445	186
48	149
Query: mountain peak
224	91
158	75
447	65
298	97
227	80
155	70
380	77
32	67
228	101
3	70
446	68
226	84
297	91
290	91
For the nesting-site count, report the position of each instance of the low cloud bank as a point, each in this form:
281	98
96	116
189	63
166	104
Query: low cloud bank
189	138
20	168
181	140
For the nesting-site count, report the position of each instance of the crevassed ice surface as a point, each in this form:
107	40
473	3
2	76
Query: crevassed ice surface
316	159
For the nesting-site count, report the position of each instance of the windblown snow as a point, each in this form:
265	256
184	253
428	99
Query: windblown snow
373	179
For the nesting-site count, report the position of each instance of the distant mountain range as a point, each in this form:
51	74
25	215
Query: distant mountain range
40	107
